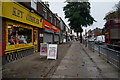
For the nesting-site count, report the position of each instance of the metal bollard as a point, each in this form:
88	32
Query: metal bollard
85	43
93	47
107	57
99	49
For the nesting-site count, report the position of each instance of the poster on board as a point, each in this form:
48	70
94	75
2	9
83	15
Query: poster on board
52	51
43	49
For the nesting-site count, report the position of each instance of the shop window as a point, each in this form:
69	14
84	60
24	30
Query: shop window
55	21
19	35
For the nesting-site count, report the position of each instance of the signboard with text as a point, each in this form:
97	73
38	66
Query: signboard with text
17	12
52	51
43	49
48	26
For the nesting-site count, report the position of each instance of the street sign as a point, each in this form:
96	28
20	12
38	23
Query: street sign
52	51
43	49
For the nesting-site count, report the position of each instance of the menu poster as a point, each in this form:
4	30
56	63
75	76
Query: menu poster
43	49
52	51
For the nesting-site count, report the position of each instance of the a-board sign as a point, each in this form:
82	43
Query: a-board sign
52	51
43	49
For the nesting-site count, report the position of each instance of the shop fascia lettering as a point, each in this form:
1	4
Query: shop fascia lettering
19	13
46	26
53	28
32	19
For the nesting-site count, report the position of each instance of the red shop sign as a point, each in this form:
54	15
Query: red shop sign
48	26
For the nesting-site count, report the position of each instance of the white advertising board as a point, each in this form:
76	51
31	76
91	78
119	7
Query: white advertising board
43	49
52	51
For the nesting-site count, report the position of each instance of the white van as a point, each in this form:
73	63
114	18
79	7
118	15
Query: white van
100	39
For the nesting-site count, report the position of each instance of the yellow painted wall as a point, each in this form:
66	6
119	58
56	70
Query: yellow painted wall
15	11
0	8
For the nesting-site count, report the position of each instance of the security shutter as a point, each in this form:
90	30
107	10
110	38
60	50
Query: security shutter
47	37
56	38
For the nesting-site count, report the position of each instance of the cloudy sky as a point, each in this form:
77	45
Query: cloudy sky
99	8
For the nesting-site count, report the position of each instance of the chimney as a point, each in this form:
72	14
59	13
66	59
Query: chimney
47	4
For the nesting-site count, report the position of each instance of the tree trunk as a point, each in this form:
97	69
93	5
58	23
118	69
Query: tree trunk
80	37
77	34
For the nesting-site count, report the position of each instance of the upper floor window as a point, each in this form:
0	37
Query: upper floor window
55	21
50	17
34	4
45	13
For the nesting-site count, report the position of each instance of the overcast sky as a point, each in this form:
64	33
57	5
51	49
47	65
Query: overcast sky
99	8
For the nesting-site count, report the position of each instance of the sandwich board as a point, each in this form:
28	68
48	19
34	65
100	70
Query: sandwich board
43	49
52	51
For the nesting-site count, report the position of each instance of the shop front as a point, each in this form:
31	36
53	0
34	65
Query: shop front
62	36
21	30
56	34
49	35
57	37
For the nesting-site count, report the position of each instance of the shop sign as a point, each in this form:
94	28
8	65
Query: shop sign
43	49
0	8
17	12
52	51
48	26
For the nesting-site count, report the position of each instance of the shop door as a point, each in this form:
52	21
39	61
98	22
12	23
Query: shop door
35	40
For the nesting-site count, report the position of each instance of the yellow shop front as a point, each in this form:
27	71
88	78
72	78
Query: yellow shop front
21	28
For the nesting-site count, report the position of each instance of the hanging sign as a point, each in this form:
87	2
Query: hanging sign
43	49
52	51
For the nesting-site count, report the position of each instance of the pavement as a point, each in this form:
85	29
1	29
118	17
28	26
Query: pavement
74	61
34	65
80	62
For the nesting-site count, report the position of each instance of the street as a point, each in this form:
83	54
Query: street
74	61
47	39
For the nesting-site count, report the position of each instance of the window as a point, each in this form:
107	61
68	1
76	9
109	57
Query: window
19	35
55	21
45	13
50	18
34	4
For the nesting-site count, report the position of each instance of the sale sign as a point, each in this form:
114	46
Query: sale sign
43	49
52	51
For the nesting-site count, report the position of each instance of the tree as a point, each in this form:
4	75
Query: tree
114	14
111	15
78	14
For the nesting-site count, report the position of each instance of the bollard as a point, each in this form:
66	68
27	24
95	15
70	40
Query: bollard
99	49
107	57
93	47
85	43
